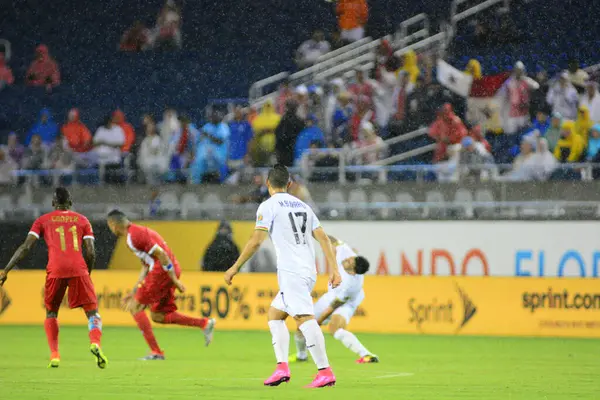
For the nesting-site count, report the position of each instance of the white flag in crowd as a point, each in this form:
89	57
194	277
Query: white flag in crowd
454	79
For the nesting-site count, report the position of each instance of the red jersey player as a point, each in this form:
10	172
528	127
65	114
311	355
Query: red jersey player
71	257
156	285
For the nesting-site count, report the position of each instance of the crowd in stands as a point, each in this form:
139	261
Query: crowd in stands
42	72
165	35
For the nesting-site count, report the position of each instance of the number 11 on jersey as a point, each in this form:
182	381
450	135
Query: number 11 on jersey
63	242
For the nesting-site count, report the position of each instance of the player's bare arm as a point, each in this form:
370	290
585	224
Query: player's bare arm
337	303
89	253
334	276
258	236
18	256
167	265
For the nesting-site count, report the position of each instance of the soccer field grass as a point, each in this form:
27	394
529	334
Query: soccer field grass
233	367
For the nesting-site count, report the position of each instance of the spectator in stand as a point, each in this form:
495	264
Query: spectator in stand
447	129
538	97
212	149
369	138
46	128
570	146
473	157
309	52
541	123
563	97
593	147
315	104
409	65
241	136
583	123
78	136
136	38
336	41
361	86
35	154
181	147
7	169
284	93
515	95
352	18
309	134
553	132
332	91
60	156
362	113
13	149
170	126
385	58
545	159
167	33
477	135
222	252
526	165
591	99
302	101
108	140
257	195
153	157
43	71
474	69
6	75
119	119
341	119
286	134
400	104
577	76
264	126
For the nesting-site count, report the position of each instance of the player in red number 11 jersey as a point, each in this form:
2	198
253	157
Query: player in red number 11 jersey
71	258
156	286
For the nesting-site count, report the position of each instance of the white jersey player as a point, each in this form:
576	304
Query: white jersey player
338	305
291	224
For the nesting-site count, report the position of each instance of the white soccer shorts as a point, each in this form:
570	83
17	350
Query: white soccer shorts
347	310
294	294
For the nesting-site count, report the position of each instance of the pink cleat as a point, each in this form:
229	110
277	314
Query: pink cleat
281	374
324	378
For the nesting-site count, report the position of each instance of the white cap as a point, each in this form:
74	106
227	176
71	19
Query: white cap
302	89
367	126
339	82
564	75
520	65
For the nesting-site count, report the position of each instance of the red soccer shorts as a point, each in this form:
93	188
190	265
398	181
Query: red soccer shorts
158	293
81	293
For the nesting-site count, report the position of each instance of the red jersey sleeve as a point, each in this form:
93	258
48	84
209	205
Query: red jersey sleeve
88	232
143	241
37	229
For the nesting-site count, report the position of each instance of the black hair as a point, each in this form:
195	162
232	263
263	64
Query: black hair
118	216
361	265
279	176
62	197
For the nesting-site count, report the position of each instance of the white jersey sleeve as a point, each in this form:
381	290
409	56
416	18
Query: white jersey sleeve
264	217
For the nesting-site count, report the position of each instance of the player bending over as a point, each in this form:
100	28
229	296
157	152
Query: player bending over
156	286
291	223
339	304
71	258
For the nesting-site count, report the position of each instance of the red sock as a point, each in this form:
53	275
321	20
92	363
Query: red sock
51	327
95	326
180	319
95	336
143	322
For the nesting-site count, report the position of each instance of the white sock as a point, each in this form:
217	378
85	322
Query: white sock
351	342
315	342
300	345
281	340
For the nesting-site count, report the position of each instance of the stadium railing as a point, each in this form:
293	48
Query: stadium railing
457	16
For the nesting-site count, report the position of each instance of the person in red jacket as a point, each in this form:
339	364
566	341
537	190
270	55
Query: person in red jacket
6	75
119	119
78	136
43	71
447	129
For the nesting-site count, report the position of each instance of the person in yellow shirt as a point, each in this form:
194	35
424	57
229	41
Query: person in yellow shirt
409	64
473	69
570	146
264	125
584	123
